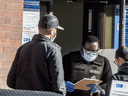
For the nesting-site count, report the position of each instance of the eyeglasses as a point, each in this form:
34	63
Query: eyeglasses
91	52
115	62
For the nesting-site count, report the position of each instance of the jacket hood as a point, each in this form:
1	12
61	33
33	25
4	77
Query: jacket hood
123	68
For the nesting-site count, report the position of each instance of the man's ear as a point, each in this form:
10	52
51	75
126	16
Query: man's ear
51	32
121	59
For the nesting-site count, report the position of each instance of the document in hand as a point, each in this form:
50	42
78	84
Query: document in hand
82	84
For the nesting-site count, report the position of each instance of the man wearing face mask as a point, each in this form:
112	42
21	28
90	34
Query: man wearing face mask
38	63
86	63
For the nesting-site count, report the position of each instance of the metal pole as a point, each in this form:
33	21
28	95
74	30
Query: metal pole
51	7
122	23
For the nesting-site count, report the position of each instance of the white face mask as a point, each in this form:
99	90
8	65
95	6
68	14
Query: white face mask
90	55
52	39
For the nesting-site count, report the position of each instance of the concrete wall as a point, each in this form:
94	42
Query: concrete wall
110	55
70	16
11	14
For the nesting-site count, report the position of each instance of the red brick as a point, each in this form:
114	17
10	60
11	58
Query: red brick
17	1
2	20
5	13
13	49
2	6
9	6
12	56
4	1
2	85
1	49
17	14
17	29
8	42
18	7
15	21
8	20
4	57
1	27
1	64
3	42
1	35
6	49
7	28
0	78
15	42
14	6
15	36
7	36
3	71
7	64
4	78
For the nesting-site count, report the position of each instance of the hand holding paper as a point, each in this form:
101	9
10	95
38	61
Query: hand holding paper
69	86
82	84
93	88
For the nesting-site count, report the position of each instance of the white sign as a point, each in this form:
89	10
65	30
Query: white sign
31	16
119	88
27	37
30	21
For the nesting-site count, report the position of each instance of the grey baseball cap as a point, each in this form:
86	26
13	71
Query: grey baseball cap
51	21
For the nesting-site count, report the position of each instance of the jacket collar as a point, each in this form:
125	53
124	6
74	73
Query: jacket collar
123	68
40	37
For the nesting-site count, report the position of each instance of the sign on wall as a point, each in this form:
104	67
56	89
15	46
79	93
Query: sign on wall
31	16
126	26
116	33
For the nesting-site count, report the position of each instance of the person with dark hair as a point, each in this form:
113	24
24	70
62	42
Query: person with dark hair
38	63
121	60
86	63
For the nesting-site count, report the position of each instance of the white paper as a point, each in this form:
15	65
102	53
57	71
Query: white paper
119	88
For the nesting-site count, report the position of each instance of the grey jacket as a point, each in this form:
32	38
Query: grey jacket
38	66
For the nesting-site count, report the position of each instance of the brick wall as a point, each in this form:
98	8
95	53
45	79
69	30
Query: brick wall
11	20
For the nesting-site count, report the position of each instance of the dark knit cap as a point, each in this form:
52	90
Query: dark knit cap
90	38
122	52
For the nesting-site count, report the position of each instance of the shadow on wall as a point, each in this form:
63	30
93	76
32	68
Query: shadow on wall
110	55
70	16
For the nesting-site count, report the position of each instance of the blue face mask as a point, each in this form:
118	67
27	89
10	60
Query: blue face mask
90	55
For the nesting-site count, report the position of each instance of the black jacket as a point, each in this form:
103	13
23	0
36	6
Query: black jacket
122	75
106	71
38	66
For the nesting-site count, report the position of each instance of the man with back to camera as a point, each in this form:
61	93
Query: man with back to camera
86	63
38	63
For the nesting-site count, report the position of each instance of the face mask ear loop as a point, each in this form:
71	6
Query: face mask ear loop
52	39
